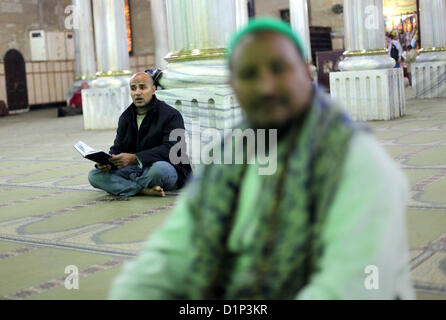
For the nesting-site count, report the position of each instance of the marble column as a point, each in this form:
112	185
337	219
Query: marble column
159	25
197	72
300	25
429	71
198	33
84	46
368	87
241	11
111	38
110	93
84	41
365	36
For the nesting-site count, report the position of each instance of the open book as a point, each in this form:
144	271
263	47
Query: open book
89	153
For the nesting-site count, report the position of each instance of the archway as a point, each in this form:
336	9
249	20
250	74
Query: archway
15	76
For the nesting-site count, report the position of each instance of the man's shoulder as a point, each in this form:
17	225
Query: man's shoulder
367	155
127	111
126	116
168	109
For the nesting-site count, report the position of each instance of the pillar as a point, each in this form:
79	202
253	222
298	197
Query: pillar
368	87
300	25
198	30
429	71
365	36
159	25
84	46
110	92
197	73
84	42
241	10
111	38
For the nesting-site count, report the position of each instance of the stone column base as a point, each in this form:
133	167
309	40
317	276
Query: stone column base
102	107
202	108
370	94
429	79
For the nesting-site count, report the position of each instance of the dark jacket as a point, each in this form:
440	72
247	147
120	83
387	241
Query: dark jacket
151	142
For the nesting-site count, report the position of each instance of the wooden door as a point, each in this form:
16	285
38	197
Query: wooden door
15	76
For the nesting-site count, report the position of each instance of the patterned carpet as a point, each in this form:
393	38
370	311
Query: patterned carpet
418	143
51	218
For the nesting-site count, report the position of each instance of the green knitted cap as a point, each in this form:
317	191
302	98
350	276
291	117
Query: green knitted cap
266	24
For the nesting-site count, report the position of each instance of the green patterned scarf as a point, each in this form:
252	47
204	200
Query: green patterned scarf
293	204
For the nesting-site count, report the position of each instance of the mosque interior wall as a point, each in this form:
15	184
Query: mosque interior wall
48	80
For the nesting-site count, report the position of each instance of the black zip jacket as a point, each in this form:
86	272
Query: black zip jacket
151	142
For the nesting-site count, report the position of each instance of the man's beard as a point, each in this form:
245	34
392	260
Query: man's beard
283	127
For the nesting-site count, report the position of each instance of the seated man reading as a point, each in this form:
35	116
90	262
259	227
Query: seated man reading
140	153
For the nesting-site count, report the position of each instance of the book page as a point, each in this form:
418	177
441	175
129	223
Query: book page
83	148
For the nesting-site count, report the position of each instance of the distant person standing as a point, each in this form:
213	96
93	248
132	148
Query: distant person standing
395	49
414	40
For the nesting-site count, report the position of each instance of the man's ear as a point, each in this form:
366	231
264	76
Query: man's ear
153	88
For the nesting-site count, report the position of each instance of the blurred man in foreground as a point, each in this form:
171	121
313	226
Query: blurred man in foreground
331	215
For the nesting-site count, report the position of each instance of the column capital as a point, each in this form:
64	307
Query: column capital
195	54
198	33
364	36
113	73
357	53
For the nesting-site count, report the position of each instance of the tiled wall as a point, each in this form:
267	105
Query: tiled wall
48	81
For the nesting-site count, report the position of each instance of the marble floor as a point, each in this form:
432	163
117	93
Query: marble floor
50	217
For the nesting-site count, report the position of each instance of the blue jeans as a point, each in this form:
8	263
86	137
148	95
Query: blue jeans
132	179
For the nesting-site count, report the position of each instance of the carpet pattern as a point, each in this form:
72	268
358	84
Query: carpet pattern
418	143
50	217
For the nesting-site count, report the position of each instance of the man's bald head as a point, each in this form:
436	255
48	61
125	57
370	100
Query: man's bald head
142	76
142	89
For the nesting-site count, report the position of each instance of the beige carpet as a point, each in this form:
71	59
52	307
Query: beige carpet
51	218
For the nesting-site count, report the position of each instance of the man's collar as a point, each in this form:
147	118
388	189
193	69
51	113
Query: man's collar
151	105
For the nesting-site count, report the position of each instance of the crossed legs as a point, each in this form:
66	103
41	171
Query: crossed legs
159	177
